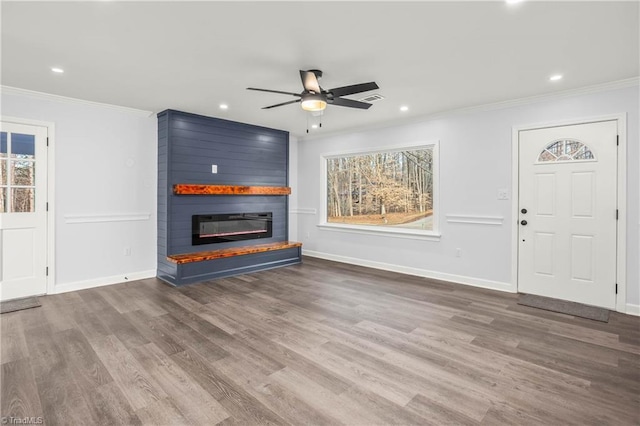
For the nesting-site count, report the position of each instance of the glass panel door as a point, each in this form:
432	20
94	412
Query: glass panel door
17	172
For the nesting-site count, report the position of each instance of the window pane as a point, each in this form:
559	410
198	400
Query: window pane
393	189
565	150
556	148
23	200
23	173
571	147
3	200
584	154
3	144
546	156
23	146
3	172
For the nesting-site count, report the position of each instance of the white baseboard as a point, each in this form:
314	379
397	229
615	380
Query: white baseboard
633	309
99	282
459	279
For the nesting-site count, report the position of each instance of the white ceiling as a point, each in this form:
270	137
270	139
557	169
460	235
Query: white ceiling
431	56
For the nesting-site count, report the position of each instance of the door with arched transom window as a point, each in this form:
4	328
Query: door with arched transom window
567	213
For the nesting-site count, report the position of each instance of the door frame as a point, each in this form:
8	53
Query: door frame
50	126
621	195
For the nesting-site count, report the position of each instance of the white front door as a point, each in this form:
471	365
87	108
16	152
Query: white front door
23	210
567	218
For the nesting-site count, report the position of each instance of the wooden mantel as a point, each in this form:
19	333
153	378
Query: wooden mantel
190	189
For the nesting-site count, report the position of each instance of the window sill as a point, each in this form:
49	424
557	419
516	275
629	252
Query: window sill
382	231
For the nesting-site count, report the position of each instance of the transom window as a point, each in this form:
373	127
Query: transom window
391	190
565	150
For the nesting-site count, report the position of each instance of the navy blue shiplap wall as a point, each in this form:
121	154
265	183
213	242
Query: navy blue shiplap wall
188	145
166	270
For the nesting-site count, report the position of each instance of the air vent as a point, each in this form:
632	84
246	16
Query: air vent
372	98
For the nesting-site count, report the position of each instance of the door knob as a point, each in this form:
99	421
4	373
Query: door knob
523	222
523	211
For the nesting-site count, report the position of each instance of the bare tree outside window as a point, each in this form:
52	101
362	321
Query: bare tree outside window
382	189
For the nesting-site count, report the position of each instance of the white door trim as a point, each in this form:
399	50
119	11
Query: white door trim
51	223
621	255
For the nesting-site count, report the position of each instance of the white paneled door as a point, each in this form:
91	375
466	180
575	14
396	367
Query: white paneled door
567	218
23	211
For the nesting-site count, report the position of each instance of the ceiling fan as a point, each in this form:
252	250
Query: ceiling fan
315	98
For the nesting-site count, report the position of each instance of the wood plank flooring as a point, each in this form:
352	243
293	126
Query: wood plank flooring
317	343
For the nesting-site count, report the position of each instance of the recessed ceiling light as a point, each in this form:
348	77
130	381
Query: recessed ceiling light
555	77
224	106
57	70
513	1
404	108
314	126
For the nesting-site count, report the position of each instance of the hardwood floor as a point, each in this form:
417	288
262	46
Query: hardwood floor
317	343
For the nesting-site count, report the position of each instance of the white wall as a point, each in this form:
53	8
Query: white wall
105	179
475	160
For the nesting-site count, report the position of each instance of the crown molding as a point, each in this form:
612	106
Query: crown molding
597	88
613	85
8	90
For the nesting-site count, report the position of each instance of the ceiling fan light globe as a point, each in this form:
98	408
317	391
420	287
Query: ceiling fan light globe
313	105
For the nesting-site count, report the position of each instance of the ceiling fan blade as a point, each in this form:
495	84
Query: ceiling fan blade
309	81
348	103
274	91
284	103
356	88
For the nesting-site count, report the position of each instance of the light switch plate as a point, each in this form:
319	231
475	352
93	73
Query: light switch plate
214	168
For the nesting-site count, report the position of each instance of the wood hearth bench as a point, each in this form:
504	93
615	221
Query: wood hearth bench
230	252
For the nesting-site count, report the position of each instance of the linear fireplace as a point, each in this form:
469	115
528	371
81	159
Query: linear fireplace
223	228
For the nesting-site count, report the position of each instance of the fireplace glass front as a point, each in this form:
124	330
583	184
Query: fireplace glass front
223	228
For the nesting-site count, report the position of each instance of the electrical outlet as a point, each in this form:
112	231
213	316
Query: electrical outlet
458	252
503	194
127	251
214	168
